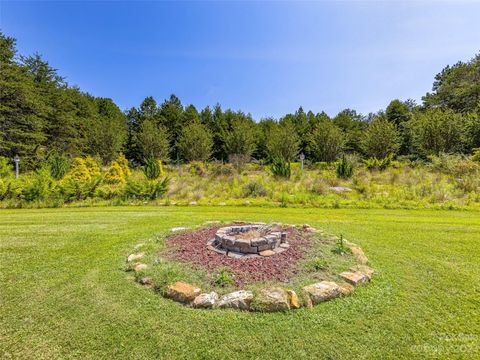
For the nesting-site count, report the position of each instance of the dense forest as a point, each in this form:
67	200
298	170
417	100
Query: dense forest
41	115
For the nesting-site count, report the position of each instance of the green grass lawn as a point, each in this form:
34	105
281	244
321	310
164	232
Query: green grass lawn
64	293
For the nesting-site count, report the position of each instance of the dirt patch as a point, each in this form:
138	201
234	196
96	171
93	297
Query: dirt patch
191	247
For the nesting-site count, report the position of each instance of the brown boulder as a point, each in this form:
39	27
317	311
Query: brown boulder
182	292
293	299
354	278
273	299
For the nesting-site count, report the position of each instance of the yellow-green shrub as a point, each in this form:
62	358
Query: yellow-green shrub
115	174
123	162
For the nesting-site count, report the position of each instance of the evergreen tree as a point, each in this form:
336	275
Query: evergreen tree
195	142
21	121
153	140
108	132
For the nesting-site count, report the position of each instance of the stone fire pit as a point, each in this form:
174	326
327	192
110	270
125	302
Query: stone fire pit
249	240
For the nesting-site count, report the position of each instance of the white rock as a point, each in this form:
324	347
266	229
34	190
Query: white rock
177	229
140	267
340	189
205	301
133	257
237	300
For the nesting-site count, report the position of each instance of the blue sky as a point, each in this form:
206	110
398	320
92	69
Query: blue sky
266	58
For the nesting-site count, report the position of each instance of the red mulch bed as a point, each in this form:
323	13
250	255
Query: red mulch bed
191	247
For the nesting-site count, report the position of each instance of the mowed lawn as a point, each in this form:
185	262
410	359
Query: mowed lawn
64	293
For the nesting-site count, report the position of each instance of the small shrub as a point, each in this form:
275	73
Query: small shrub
344	168
476	155
73	189
316	264
153	168
123	162
37	188
468	183
93	166
6	168
219	169
340	247
58	165
378	164
223	277
238	161
108	192
281	168
254	189
115	174
453	164
197	168
146	190
80	171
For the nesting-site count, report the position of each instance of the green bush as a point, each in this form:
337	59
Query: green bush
453	164
223	277
378	164
281	168
6	168
38	187
316	264
58	165
219	169
344	168
72	189
254	189
146	190
152	168
340	247
476	155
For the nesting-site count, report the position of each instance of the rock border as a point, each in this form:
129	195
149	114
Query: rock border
269	299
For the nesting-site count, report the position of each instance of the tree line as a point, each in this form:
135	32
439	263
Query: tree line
42	115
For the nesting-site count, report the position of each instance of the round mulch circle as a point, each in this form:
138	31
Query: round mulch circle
191	247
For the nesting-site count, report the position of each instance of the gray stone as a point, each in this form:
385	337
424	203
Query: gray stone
259	241
146	281
205	301
235	254
265	247
237	300
340	189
